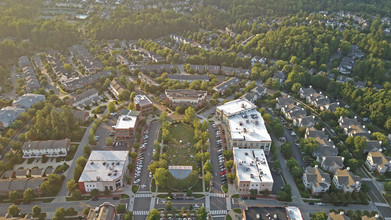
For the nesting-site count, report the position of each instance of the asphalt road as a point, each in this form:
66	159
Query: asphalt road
197	203
216	184
79	153
145	180
51	207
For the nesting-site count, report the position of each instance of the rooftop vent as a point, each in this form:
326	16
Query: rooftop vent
252	175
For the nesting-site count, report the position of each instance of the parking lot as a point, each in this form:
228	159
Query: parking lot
106	130
216	159
278	182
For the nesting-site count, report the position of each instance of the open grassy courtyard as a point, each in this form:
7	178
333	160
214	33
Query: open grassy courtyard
180	149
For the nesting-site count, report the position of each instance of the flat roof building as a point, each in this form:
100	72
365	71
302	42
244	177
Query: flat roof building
273	212
104	170
252	171
246	128
185	97
126	125
143	104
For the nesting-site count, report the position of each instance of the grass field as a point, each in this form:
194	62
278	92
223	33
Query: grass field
182	132
180	150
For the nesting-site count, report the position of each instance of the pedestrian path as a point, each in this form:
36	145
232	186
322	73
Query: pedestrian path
217	195
131	204
218	212
143	195
207	203
143	192
381	204
140	212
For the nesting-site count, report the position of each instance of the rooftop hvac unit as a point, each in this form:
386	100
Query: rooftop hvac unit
92	162
109	174
252	175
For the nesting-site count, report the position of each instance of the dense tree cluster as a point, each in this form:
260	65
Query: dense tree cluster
130	25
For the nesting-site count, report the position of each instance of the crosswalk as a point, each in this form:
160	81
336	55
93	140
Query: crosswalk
140	212
143	195
217	195
387	218
381	204
218	212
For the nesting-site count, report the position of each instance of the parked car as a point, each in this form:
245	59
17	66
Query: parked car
222	173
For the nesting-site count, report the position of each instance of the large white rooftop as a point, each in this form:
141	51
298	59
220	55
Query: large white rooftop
248	126
104	166
126	121
252	166
236	106
294	213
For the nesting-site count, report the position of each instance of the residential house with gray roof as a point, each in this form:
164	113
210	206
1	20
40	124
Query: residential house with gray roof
346	181
26	101
316	180
331	163
377	161
8	115
308	121
222	87
87	98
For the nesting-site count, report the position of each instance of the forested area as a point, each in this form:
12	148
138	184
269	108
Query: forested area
127	24
241	9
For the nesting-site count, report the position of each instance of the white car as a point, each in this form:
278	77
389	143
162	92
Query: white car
293	133
136	181
150	175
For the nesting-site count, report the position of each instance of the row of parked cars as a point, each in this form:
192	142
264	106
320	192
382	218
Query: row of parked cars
139	165
223	175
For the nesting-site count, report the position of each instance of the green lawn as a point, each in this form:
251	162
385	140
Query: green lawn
181	153
182	132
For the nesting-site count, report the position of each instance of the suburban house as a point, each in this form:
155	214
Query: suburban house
147	80
52	148
126	125
116	87
104	170
87	98
188	78
294	113
20	185
346	65
316	180
259	92
376	161
185	98
252	171
330	107
284	102
36	173
373	146
106	211
8	115
346	181
331	163
308	122
305	92
246	127
80	83
222	87
143	104
86	59
26	101
280	76
337	216
352	127
249	97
